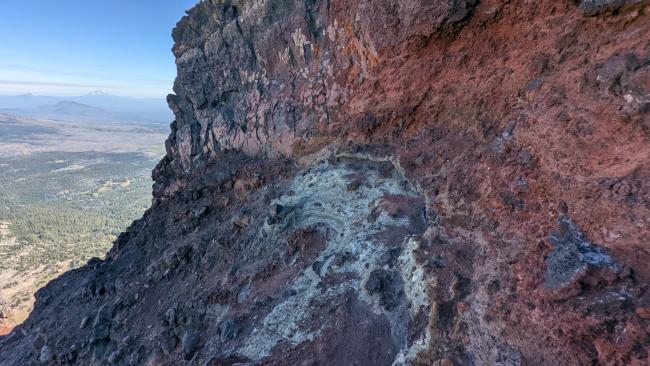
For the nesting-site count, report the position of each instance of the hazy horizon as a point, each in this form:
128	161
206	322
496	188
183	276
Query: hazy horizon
122	50
96	92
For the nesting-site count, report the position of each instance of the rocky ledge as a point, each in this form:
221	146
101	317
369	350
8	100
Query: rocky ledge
383	183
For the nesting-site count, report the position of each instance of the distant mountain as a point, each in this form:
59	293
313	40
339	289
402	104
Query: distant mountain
68	107
99	93
74	112
134	109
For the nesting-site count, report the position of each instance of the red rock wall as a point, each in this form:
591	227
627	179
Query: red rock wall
522	127
509	115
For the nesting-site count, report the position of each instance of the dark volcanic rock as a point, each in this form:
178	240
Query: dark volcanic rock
189	343
259	77
573	256
595	7
374	183
387	285
101	325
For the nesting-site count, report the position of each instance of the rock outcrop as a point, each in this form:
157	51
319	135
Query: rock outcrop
383	183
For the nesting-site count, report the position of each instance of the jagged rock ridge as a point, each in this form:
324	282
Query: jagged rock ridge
383	183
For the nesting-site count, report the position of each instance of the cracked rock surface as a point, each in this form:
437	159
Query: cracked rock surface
382	183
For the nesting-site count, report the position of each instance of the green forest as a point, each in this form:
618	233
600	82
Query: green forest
69	206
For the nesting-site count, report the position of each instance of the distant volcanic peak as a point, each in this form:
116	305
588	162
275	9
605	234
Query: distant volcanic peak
69	103
99	93
70	107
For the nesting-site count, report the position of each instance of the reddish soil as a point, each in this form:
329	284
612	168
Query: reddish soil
501	148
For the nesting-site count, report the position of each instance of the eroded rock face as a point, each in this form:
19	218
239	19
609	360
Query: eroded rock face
383	183
262	76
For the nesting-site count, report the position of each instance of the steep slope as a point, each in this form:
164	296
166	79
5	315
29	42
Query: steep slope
383	182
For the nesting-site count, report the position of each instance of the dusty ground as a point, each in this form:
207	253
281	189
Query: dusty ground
17	287
80	136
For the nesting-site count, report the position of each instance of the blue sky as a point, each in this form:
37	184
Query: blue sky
72	47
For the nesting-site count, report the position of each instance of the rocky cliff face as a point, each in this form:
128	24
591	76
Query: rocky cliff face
383	183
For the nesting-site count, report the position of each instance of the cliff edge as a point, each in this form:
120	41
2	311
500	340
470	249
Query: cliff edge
382	183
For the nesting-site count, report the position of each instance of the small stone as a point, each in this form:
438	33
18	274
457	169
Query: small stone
230	330
170	316
199	212
46	354
353	186
240	185
524	157
183	252
643	312
84	322
168	342
101	325
534	85
244	294
595	7
242	222
626	272
277	213
608	75
341	258
462	307
115	357
421	159
573	256
171	261
189	343
386	284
